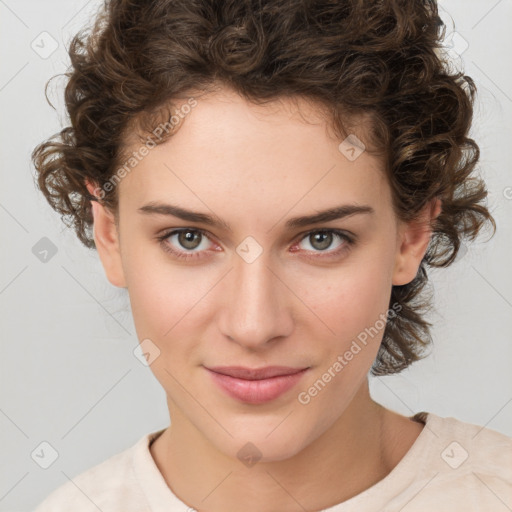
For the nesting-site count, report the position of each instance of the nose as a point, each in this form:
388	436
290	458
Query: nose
257	311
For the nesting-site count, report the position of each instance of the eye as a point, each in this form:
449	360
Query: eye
189	242
321	240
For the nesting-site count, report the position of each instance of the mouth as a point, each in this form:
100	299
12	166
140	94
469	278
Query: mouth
256	385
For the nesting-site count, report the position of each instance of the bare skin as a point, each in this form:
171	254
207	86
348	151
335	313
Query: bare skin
255	167
319	483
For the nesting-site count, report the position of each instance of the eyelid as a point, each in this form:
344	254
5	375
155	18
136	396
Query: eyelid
168	232
348	237
338	231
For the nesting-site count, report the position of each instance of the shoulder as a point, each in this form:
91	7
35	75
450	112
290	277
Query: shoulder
110	485
481	449
466	465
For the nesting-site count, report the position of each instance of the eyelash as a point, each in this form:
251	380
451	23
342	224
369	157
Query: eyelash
349	242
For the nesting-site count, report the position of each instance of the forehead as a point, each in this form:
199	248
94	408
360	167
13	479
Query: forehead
229	150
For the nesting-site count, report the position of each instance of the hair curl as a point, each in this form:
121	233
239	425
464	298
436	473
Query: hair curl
379	58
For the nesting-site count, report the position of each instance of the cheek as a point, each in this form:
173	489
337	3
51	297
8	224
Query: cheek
349	299
166	298
159	294
170	305
354	307
164	305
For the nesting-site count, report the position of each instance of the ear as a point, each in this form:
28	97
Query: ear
106	238
413	240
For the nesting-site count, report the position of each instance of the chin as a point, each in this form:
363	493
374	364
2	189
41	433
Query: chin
264	444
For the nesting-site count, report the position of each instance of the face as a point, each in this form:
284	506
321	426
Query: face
256	289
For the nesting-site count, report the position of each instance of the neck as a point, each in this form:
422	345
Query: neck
356	452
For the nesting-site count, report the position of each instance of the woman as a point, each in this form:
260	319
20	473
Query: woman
269	180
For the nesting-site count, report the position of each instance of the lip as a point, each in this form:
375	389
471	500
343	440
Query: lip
256	385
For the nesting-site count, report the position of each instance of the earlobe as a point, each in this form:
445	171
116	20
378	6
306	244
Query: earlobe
106	239
413	240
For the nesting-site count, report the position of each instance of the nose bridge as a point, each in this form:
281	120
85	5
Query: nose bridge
254	314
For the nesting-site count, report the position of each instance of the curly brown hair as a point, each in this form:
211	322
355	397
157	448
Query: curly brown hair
377	58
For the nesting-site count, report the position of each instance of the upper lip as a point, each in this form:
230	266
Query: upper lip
241	372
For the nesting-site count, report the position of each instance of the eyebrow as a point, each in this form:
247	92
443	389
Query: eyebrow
339	212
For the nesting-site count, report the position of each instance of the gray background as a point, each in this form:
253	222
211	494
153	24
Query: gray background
68	373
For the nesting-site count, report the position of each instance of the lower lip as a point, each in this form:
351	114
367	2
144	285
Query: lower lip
256	391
